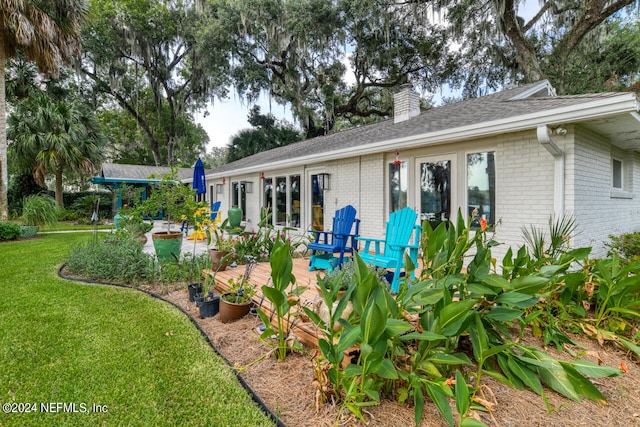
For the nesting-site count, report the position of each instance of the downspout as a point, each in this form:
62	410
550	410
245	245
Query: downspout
558	173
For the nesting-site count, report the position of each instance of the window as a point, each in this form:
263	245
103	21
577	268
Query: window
481	187
280	213
267	194
317	204
435	188
239	198
282	199
617	174
294	197
397	185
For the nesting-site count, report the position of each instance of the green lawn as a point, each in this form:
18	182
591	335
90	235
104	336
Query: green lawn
139	358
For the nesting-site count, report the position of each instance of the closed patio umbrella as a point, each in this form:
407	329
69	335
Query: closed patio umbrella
200	185
199	181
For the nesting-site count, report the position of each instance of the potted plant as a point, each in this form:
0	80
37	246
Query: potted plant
136	227
223	253
236	302
196	263
38	210
208	304
175	202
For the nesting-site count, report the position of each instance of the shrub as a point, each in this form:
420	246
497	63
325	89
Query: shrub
118	260
67	215
84	206
39	210
9	231
626	245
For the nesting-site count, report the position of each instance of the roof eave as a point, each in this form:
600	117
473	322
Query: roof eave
623	104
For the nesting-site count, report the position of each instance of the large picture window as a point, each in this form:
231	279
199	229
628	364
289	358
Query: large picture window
481	187
281	197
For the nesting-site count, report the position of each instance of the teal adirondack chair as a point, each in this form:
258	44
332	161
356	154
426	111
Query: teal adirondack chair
340	240
403	234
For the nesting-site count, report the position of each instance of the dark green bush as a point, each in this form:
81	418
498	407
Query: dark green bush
67	215
9	231
86	204
626	245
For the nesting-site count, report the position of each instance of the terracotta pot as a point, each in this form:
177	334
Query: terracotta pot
216	259
230	311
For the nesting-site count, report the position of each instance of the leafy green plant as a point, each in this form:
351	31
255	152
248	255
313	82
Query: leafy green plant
333	342
241	290
617	292
135	225
281	297
9	231
412	344
560	232
342	277
39	210
626	245
85	206
118	260
170	198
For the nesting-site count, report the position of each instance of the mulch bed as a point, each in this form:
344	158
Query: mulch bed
286	387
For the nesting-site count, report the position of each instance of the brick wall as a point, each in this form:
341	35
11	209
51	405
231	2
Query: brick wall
601	211
524	188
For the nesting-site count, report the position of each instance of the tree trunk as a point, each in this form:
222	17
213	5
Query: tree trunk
525	53
59	198
4	175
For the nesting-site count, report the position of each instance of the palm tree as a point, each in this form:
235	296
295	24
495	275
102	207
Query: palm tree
47	32
54	136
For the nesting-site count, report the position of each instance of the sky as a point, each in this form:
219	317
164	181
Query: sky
226	118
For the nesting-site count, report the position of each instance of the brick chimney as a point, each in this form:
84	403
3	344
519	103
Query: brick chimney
406	103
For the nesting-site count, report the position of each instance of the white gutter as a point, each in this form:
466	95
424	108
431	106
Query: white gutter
558	169
624	103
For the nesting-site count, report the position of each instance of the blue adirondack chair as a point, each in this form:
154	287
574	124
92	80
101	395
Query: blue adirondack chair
402	235
340	240
215	208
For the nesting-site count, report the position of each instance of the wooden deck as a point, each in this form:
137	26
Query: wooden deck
305	331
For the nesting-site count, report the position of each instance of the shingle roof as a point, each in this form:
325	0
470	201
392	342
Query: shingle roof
498	106
136	172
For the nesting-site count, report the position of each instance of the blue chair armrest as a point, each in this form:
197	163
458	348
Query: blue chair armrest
367	244
319	234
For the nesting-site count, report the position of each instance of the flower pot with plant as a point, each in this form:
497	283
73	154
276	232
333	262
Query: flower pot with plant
236	302
175	202
223	252
135	227
37	211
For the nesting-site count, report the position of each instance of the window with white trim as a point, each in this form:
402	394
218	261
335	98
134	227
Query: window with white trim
621	176
481	188
617	173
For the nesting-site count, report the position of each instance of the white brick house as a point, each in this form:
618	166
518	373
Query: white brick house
520	156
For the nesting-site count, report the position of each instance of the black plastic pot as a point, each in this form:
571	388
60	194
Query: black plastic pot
194	289
209	307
